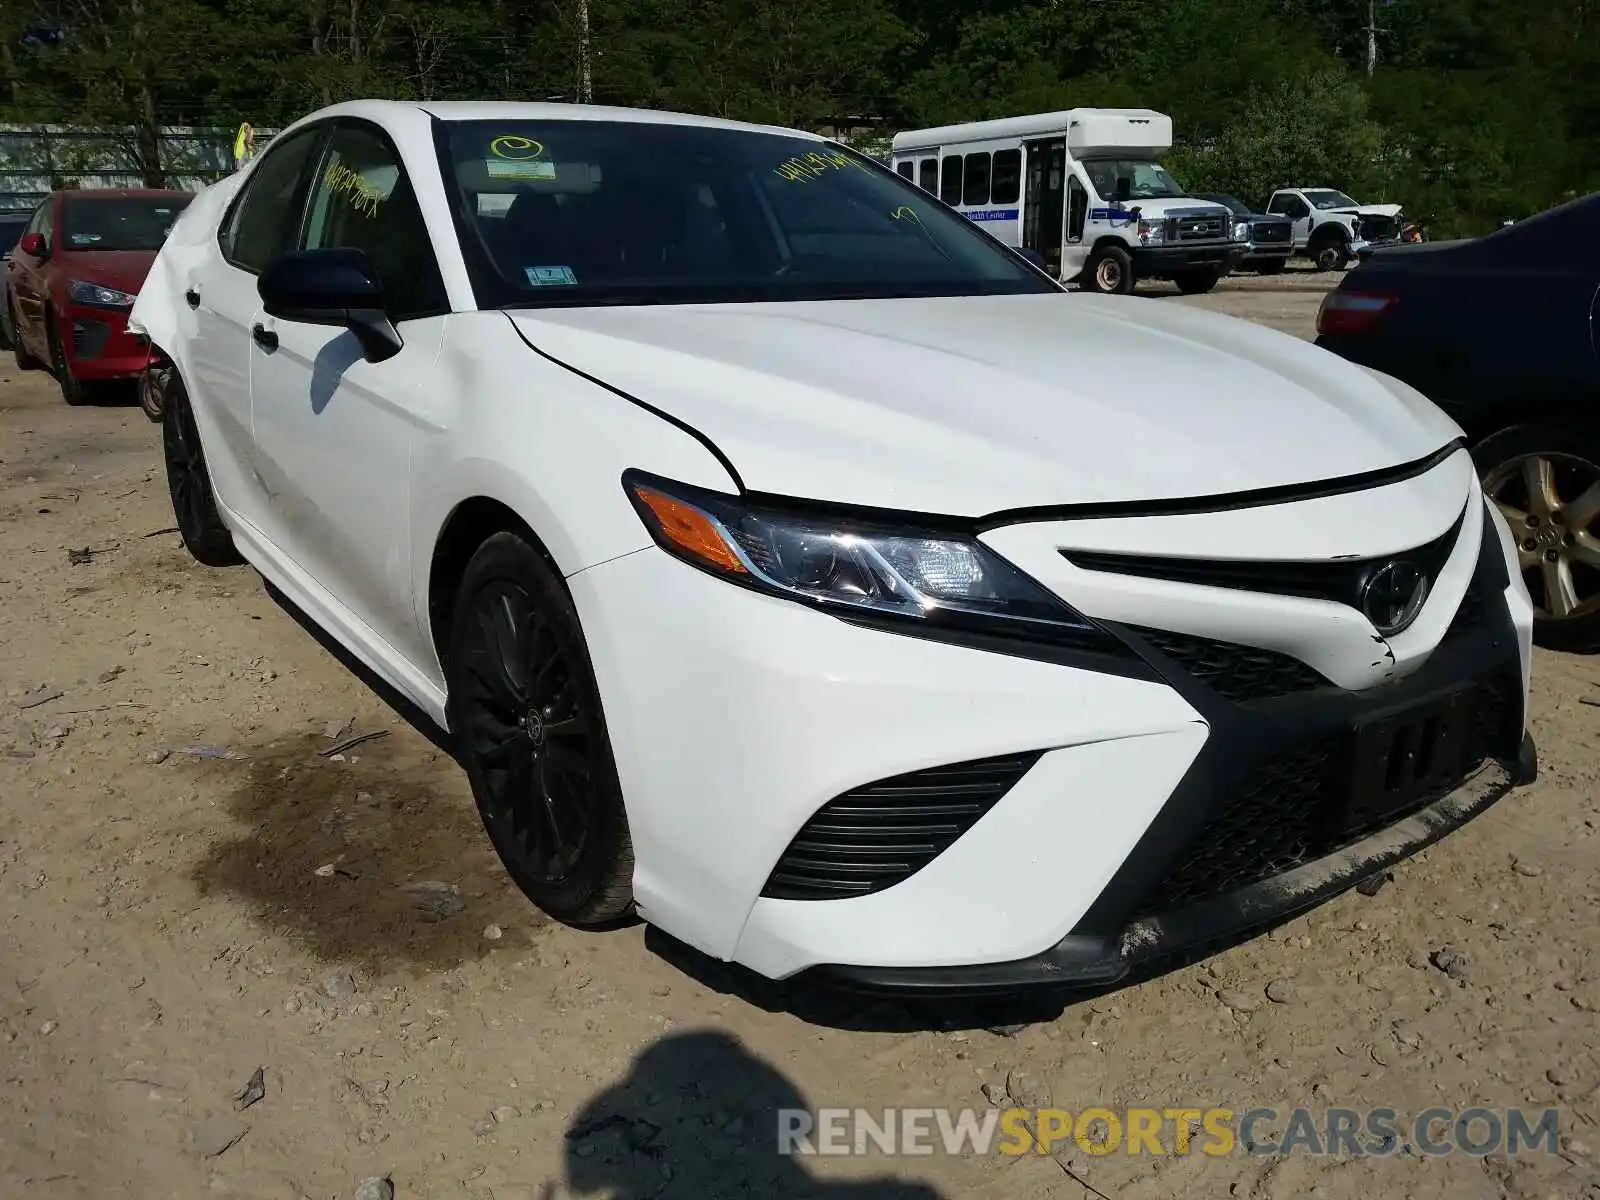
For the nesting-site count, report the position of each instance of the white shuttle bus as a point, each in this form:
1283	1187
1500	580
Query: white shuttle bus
1084	190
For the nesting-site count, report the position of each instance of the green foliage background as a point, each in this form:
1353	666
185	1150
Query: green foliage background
1477	110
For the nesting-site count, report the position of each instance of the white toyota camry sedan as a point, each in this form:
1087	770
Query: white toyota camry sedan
796	566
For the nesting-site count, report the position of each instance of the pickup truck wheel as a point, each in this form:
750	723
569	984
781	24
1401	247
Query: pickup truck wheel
1195	283
525	708
1109	272
1545	479
1331	252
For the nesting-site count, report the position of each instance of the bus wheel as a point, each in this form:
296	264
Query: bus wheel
1109	271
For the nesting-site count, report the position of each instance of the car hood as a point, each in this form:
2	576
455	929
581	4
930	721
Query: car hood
972	406
1368	210
124	270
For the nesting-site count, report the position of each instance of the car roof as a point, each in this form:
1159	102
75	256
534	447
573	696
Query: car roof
507	110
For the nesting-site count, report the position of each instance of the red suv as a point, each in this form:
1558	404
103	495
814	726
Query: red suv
72	279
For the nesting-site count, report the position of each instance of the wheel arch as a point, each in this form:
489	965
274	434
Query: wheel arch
470	524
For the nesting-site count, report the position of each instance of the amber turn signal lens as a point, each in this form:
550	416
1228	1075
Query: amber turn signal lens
690	530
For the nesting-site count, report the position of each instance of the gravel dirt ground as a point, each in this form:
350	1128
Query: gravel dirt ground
171	921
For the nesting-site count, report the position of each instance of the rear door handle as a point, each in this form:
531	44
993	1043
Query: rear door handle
265	338
192	297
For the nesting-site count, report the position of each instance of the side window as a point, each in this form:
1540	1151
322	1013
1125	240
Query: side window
363	200
1279	204
905	169
264	220
36	223
928	174
950	180
975	185
1077	209
1006	187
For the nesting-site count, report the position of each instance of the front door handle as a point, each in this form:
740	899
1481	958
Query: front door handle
192	297
265	338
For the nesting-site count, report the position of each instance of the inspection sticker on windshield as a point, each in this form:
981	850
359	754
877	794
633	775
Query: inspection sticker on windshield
550	276
501	168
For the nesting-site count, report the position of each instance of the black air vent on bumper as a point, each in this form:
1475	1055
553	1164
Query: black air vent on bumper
1234	672
873	837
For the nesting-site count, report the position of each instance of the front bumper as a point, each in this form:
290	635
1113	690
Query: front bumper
101	346
1159	260
1140	827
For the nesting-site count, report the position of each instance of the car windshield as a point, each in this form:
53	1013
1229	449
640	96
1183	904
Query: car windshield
119	223
1323	199
1131	179
599	212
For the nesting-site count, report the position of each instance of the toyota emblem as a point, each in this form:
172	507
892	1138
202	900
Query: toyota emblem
1393	595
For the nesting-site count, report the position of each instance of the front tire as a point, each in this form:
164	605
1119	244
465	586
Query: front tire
1196	283
25	360
525	709
1330	252
194	504
1109	271
71	386
1545	479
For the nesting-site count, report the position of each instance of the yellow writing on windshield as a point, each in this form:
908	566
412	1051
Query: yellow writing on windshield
515	147
804	168
364	197
906	213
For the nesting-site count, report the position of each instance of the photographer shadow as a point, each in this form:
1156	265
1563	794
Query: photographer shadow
699	1116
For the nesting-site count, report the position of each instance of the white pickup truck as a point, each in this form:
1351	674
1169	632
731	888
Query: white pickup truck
1330	228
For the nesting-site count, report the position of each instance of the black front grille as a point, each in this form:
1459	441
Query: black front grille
1339	580
873	837
1204	228
1262	232
1237	673
1297	807
1377	229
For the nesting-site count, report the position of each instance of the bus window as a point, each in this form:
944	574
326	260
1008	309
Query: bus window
975	176
1007	183
928	169
904	169
950	180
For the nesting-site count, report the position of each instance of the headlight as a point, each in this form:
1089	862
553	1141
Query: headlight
1241	231
929	579
1151	232
98	296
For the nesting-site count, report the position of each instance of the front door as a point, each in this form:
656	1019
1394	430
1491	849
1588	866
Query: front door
29	292
334	432
1076	252
221	289
1044	207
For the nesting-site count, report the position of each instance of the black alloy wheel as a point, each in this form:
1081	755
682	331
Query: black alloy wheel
525	710
194	506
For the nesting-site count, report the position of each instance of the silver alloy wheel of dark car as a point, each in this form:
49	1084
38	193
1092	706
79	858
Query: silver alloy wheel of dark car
1552	503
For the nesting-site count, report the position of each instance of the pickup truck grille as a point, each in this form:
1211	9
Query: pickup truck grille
1264	232
1377	229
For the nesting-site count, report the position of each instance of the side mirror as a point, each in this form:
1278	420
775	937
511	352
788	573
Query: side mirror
34	244
335	286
